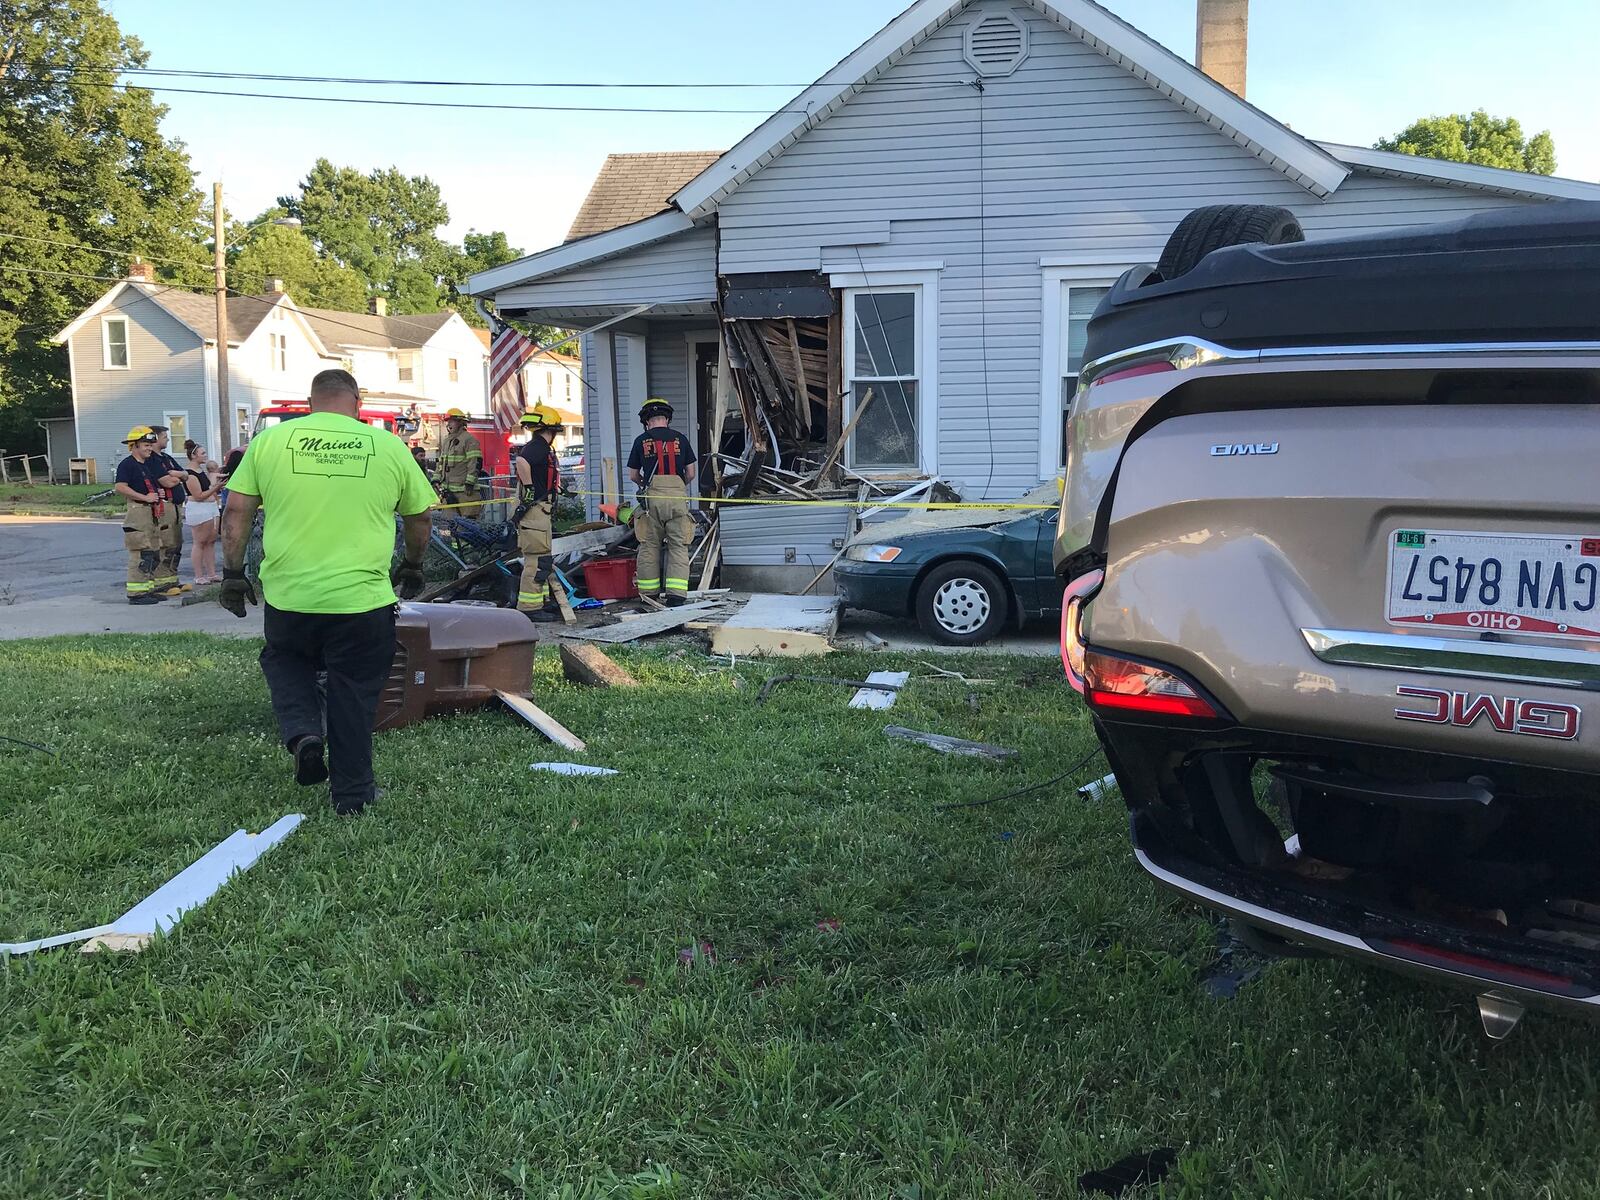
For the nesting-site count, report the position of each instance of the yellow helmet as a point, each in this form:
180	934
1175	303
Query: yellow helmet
454	414
140	433
541	416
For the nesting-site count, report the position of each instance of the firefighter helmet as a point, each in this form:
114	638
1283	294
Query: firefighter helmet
540	417
454	414
140	433
655	407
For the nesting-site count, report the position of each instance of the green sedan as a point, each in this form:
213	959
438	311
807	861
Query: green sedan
963	574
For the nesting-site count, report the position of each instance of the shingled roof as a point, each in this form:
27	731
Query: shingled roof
198	311
631	187
367	329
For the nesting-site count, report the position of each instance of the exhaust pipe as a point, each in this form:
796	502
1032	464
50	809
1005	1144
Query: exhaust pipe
1499	1015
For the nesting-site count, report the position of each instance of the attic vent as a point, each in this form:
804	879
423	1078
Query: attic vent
997	44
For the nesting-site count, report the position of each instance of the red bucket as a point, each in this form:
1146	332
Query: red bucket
610	578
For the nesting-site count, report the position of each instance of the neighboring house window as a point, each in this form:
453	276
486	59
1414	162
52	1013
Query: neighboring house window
1071	295
569	387
455	371
241	424
883	355
114	332
177	424
549	385
408	368
280	351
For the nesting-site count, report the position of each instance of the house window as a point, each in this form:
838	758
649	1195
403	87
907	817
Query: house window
408	367
241	424
884	356
280	351
114	335
549	385
1071	294
177	424
455	371
569	388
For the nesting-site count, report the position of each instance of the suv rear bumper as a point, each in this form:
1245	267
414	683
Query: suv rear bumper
1149	760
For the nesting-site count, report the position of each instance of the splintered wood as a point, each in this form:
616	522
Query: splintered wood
543	721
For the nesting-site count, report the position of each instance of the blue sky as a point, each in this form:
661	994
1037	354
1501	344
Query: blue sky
1384	63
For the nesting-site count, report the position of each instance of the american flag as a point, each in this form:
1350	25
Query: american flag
508	351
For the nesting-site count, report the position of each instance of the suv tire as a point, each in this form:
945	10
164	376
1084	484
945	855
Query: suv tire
961	603
1219	225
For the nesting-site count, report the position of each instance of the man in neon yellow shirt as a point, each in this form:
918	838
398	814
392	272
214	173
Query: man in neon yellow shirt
330	486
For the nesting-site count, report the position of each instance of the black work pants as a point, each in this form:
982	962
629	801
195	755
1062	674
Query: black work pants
356	650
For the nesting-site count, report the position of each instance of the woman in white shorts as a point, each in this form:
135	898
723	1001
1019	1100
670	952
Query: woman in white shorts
200	514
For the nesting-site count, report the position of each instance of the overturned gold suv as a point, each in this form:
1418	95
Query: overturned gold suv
1330	539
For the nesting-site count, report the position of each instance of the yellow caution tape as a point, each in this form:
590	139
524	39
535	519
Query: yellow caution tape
713	501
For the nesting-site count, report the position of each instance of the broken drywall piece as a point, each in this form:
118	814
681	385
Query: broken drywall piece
950	745
188	889
780	626
571	769
884	697
656	622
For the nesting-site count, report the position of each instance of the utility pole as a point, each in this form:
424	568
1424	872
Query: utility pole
224	426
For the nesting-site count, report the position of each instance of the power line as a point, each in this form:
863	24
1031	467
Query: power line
589	108
155	258
720	85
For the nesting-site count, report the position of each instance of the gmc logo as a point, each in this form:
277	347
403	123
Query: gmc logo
1507	714
1229	450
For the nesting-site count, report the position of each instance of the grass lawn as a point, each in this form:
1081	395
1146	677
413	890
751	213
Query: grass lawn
57	499
475	990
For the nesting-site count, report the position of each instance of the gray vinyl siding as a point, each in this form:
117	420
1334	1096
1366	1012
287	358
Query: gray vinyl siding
1081	160
166	372
679	269
759	535
593	397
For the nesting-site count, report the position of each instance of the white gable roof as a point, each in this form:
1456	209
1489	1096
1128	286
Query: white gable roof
1303	161
1463	175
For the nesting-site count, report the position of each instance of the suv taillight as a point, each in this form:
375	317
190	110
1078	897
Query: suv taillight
1073	601
1126	685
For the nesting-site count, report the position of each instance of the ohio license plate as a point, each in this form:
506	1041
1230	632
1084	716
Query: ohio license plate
1512	583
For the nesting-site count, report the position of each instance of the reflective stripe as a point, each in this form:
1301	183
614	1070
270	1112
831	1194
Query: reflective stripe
681	584
136	589
532	597
647	585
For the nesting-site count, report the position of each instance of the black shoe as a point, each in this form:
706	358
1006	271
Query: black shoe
541	616
672	601
309	765
353	808
146	598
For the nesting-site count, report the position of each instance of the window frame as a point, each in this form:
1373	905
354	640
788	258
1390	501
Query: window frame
105	342
455	369
405	366
923	283
1057	283
176	435
279	348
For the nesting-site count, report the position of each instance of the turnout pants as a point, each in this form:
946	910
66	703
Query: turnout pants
171	550
538	564
143	534
357	652
664	529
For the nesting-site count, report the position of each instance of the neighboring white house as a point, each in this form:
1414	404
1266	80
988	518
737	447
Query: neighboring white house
145	353
948	203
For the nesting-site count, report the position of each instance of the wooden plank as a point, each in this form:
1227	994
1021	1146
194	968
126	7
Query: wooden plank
590	540
950	745
817	578
880	698
644	626
803	388
591	666
713	557
542	721
833	378
844	438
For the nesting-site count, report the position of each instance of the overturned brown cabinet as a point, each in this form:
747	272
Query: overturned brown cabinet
450	657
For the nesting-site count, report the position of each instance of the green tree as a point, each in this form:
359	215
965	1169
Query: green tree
478	252
85	164
1477	138
279	252
384	226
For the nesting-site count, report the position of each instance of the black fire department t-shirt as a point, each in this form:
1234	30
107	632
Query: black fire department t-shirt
662	451
140	476
162	463
543	468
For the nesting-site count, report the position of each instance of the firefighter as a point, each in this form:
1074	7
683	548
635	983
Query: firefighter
150	513
539	476
171	477
460	460
661	466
